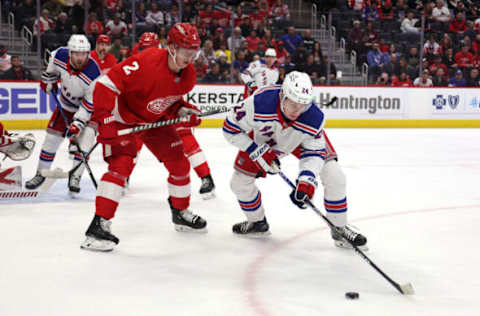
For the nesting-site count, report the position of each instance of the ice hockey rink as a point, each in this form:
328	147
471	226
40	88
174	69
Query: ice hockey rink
414	193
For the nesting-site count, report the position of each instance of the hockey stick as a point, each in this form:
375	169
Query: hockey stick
333	100
140	128
405	289
84	159
214	111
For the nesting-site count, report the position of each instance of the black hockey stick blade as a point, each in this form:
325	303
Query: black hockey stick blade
332	101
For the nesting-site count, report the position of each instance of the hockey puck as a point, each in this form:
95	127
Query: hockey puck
352	295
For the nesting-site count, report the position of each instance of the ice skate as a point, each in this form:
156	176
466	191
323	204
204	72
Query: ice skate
358	239
207	189
99	236
35	182
252	229
186	221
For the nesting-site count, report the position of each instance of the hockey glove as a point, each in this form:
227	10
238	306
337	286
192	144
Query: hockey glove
194	121
75	128
305	189
187	109
107	130
49	82
265	158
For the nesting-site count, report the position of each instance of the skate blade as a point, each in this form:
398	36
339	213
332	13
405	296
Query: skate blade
93	244
254	235
345	245
47	184
208	196
186	229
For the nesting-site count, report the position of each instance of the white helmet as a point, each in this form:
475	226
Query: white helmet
297	86
270	52
78	43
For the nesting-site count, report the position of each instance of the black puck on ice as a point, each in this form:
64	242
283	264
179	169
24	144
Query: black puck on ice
352	295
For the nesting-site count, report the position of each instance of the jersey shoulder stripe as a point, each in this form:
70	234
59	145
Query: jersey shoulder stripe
310	122
265	101
61	58
92	71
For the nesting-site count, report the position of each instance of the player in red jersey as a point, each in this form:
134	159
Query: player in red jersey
194	153
145	88
100	54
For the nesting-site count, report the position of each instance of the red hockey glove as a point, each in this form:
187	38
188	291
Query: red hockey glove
305	189
75	128
194	121
187	109
107	130
264	157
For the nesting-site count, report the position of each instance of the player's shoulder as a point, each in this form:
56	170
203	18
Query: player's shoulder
91	71
266	100
311	121
60	57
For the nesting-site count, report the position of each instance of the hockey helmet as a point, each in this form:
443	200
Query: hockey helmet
298	88
102	38
78	43
270	52
148	39
184	35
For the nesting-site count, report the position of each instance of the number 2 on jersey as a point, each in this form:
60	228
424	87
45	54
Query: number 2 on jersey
129	68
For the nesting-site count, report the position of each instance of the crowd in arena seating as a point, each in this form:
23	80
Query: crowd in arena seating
386	35
226	49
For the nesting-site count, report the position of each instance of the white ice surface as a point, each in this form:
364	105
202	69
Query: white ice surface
414	193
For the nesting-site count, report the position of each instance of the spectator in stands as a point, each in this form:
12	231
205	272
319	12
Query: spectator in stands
446	42
317	52
391	65
464	59
424	80
312	68
403	66
438	64
63	25
223	49
208	52
460	8
354	37
260	50
236	39
116	27
281	52
238	16
46	24
401	10
403	80
470	32
54	7
472	13
116	46
441	17
382	46
246	26
224	65
280	14
141	14
440	79
473	79
324	71
214	75
370	11
308	40
299	57
201	67
155	16
449	60
268	39
291	40
173	16
383	80
458	26
219	38
206	17
371	33
240	63
189	14
392	50
25	14
282	74
431	48
356	5
252	41
457	80
95	27
408	24
412	57
125	52
17	71
5	59
385	13
162	37
376	61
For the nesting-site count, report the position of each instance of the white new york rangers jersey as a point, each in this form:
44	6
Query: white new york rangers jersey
259	73
76	87
258	120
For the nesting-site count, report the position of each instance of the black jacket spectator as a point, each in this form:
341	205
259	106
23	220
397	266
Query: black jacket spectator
17	71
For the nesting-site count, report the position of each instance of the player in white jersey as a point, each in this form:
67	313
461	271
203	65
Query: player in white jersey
276	121
76	71
260	73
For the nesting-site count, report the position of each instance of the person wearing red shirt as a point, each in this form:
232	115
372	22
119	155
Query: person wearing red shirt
101	55
458	25
145	88
207	16
252	41
402	81
464	59
95	27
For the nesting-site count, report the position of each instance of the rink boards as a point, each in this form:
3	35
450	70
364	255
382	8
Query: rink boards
23	105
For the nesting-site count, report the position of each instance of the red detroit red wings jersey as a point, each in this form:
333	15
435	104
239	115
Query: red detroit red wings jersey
144	87
105	64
